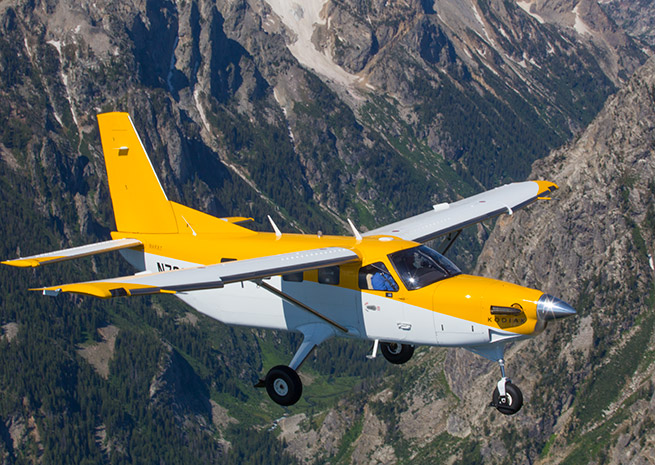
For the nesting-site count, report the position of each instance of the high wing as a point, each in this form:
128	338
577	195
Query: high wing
211	276
446	218
74	252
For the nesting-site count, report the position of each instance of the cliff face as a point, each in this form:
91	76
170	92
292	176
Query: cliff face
635	17
593	245
605	180
587	380
500	60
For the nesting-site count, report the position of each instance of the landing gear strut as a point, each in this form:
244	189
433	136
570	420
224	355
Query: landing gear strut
282	382
507	398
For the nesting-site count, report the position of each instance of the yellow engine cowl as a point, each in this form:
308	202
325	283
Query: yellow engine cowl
490	302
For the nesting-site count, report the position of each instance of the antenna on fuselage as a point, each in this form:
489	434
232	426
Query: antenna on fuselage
278	233
193	231
358	236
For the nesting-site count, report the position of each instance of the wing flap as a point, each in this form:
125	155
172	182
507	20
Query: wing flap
445	218
102	289
74	252
211	276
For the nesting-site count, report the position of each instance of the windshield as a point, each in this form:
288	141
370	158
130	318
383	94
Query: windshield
421	266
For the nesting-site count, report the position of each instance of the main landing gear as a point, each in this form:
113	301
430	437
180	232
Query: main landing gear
283	385
396	353
507	398
282	382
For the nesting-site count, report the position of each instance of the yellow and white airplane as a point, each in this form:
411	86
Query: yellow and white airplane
383	286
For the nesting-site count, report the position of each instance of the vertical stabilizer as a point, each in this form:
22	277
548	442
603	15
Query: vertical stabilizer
140	204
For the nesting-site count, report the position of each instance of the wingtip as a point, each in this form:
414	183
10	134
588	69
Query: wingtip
546	187
22	263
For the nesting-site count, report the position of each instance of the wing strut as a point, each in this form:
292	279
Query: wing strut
449	241
299	304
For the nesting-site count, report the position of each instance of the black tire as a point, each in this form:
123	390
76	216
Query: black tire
283	385
396	353
512	402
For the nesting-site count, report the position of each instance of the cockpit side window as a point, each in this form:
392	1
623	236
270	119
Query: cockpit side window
376	277
421	266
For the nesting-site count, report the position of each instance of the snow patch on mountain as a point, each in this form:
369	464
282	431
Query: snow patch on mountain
525	6
580	26
64	80
301	19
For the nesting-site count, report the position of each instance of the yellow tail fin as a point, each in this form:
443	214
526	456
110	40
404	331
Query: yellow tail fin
140	204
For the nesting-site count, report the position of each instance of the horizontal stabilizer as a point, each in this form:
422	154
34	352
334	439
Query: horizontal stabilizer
446	218
211	276
75	252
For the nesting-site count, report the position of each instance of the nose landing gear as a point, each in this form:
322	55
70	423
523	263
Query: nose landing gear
507	398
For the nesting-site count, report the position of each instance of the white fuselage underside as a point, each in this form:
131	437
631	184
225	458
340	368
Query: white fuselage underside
366	315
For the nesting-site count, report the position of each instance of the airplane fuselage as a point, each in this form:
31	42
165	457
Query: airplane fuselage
454	311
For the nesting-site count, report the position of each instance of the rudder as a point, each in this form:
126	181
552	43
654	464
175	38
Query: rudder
139	201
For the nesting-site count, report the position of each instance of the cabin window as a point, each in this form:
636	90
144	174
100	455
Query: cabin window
224	260
376	277
328	275
293	277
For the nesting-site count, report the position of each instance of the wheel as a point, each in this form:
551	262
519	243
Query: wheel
283	385
396	353
512	402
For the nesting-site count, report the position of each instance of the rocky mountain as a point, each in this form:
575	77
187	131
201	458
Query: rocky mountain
322	89
594	246
588	381
635	17
312	112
